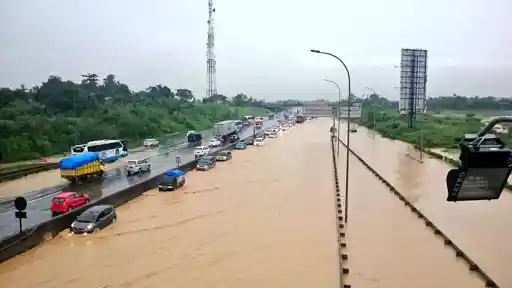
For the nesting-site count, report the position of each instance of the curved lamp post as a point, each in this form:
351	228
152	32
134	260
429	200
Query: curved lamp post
349	104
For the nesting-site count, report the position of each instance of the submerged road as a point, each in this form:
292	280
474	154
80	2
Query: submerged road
482	229
264	219
38	209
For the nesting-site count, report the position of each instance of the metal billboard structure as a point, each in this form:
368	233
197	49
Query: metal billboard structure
413	80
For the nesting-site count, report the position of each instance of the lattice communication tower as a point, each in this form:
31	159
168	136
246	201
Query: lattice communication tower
211	64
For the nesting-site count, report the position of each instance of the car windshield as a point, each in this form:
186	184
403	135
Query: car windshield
203	162
167	180
259	139
87	217
132	162
223	153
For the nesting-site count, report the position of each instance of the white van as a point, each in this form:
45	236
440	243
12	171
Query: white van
137	166
151	143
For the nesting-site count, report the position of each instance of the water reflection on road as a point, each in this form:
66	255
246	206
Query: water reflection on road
482	229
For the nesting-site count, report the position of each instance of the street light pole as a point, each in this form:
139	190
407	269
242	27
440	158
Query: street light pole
374	127
349	104
339	119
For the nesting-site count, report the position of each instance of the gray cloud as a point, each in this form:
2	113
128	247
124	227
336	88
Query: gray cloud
262	46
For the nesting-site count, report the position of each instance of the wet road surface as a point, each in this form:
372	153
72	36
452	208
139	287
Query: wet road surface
38	209
481	229
388	246
263	219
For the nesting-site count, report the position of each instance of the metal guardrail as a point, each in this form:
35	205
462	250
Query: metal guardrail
23	172
473	267
342	244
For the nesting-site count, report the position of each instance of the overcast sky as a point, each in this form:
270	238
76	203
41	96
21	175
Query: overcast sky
262	46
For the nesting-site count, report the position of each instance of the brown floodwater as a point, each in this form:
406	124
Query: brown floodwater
264	219
481	229
388	246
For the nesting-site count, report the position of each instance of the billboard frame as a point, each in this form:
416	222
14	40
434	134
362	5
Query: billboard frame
413	80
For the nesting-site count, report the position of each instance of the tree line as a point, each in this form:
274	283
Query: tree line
49	118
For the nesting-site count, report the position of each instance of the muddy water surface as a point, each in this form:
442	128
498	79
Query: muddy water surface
482	229
264	219
388	246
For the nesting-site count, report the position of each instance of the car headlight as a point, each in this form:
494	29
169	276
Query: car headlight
89	227
73	225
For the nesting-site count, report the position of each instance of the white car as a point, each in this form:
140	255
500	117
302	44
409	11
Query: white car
259	141
151	143
201	151
137	166
214	143
272	134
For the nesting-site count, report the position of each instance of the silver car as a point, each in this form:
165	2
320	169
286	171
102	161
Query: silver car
137	166
94	219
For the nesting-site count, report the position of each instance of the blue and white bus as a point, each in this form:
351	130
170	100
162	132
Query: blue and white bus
109	150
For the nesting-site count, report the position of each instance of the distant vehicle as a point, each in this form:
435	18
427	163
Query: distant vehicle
81	166
273	134
234	138
271	117
259	125
194	137
149	143
353	130
109	150
239	125
67	201
172	180
247	120
137	166
214	143
241	145
206	163
267	132
249	141
201	151
259	141
300	118
224	155
224	129
259	120
94	219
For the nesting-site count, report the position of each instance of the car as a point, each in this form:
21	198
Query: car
215	142
241	145
67	201
272	134
353	130
234	138
149	143
206	163
172	179
201	151
94	219
249	141
259	141
267	132
137	166
224	155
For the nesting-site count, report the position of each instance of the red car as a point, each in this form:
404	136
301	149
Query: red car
66	201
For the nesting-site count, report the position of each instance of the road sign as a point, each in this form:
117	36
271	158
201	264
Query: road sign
178	160
355	111
20	204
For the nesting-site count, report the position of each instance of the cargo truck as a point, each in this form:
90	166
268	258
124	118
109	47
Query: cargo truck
82	166
222	130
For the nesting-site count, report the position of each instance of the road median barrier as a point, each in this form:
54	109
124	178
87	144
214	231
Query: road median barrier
34	236
16	173
472	266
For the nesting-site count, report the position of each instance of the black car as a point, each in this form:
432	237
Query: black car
234	138
94	219
250	141
170	183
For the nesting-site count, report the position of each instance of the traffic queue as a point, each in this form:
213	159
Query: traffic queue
81	166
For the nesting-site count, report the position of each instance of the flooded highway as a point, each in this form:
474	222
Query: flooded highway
481	229
38	209
263	219
388	246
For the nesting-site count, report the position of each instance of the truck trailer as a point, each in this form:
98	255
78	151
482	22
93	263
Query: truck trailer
222	130
81	166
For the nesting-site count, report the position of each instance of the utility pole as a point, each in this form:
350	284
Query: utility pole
211	64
